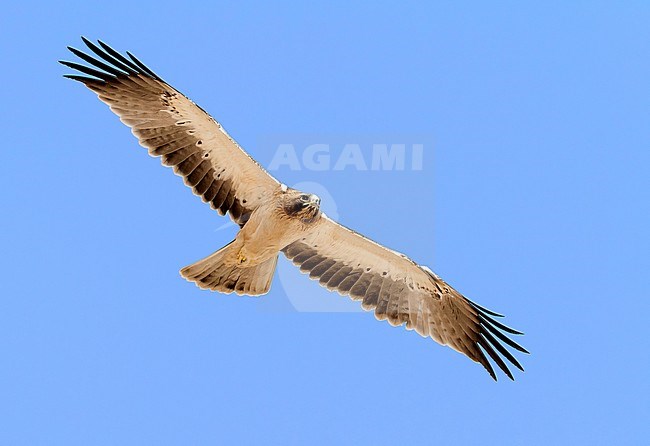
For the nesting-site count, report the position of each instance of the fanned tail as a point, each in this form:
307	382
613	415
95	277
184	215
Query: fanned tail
215	273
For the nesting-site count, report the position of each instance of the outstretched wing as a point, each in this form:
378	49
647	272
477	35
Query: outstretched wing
174	128
402	292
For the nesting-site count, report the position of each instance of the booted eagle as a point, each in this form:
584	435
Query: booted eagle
274	218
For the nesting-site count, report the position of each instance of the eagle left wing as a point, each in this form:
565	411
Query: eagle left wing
402	292
177	130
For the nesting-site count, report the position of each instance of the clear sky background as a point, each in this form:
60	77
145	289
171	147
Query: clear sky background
533	200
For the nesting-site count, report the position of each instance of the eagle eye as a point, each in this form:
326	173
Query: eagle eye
304	197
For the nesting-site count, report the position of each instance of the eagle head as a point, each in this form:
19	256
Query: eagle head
300	205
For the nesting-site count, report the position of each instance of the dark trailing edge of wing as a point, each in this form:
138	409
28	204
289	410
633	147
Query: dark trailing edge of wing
102	72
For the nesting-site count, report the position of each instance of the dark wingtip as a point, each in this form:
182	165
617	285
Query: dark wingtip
522	349
116	60
509	356
486	365
483	342
488	326
104	44
142	66
492	341
109	64
83	79
501	326
483	309
87	70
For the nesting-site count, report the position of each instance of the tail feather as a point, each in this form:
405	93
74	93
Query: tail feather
214	273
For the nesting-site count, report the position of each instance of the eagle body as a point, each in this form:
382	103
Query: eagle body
246	265
273	226
274	219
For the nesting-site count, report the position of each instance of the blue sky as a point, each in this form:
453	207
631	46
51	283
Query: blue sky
533	200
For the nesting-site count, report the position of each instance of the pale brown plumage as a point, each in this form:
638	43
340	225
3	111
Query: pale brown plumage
274	218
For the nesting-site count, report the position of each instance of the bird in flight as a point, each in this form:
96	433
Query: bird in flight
274	218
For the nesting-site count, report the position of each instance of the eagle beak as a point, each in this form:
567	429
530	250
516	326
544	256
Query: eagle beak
314	199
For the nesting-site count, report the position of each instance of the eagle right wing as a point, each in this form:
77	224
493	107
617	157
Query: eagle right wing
178	131
402	292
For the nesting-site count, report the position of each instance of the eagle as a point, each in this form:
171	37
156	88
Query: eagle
274	219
